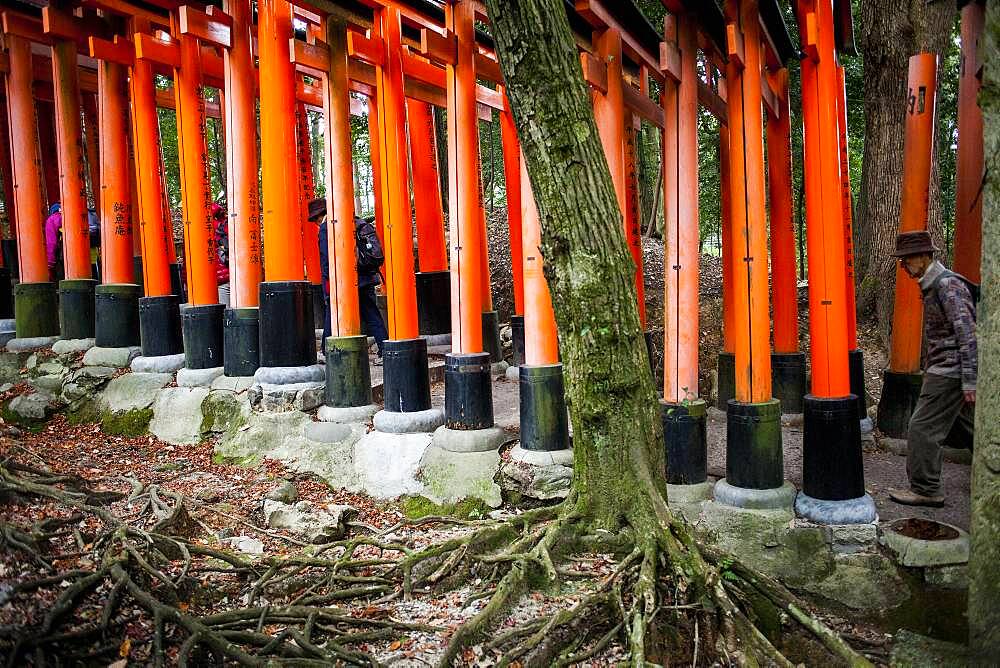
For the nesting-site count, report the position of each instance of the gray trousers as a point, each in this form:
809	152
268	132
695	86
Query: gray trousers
941	417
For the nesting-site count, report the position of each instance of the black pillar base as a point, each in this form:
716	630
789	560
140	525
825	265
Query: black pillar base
788	380
319	305
287	331
468	391
6	294
684	435
405	382
241	341
725	380
856	369
754	458
201	326
900	392
36	310
76	308
434	302
116	306
348	376
491	337
160	326
832	468
544	422
177	282
137	272
517	339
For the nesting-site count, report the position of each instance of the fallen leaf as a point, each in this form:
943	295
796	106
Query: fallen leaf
395	645
123	650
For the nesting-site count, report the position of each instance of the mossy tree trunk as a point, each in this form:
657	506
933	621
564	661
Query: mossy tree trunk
618	440
984	585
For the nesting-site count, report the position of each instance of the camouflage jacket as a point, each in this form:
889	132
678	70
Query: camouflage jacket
949	327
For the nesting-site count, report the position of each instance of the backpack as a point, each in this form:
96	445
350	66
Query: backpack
974	289
368	248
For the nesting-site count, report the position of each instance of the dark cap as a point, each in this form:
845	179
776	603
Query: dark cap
914	243
317	209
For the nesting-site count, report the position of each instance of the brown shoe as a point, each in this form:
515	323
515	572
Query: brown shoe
910	498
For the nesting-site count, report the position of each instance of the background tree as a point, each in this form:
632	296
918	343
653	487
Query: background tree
891	32
984	585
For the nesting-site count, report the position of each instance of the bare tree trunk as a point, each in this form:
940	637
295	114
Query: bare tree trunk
619	469
984	585
890	33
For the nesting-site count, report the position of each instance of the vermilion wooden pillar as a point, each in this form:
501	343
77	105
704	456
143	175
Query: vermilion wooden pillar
91	133
348	378
375	158
544	425
754	459
901	381
433	282
35	301
788	365
307	188
970	167
49	152
833	475
726	370
514	188
6	176
683	412
287	334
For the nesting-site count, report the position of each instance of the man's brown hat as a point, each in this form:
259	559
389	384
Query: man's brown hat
317	209
913	243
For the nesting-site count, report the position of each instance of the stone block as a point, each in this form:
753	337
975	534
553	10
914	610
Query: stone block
51	367
542	457
449	477
51	384
288	375
470	440
31	407
198	377
916	552
30	343
132	391
315	525
408	423
863	581
115	357
387	464
359	414
69	346
235	384
158	364
289	397
546	482
177	415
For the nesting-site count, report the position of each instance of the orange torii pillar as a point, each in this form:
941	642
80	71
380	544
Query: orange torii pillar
469	422
241	324
683	412
970	168
901	381
726	367
159	315
287	332
833	486
433	280
788	364
117	298
202	316
544	420
8	243
76	291
512	173
91	132
406	384
609	113
35	299
855	357
310	231
754	458
47	140
348	396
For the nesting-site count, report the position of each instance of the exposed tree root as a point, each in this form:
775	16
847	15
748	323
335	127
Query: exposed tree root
668	599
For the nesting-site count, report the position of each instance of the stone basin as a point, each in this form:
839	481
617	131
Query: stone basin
919	542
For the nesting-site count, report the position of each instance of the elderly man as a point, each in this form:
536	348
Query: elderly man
945	409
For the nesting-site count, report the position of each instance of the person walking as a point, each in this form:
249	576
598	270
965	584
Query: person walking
368	259
53	243
945	410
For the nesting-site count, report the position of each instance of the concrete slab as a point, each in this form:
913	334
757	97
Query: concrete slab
198	377
116	357
470	440
286	375
68	346
30	343
340	414
158	363
409	423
